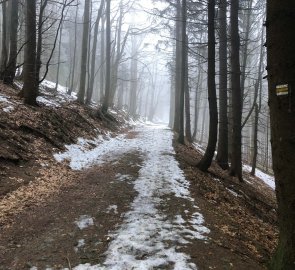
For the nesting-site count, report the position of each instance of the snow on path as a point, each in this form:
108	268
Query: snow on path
147	239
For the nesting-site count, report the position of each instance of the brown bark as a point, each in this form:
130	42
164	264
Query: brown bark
222	150
281	70
183	73
106	102
81	93
93	57
177	66
236	155
10	70
30	87
4	52
206	161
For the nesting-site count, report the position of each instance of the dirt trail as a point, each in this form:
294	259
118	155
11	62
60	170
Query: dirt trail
135	211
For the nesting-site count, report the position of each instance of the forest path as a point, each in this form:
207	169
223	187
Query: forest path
133	211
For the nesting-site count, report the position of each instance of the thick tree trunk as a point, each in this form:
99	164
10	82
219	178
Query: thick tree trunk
206	161
177	78
30	87
222	150
9	73
236	156
183	73
281	70
81	93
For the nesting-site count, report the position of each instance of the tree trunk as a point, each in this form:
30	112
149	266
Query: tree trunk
236	156
106	102
30	87
93	57
257	106
245	52
81	93
102	61
58	57
188	132
280	66
206	161
222	150
71	88
177	66
4	47
183	73
10	70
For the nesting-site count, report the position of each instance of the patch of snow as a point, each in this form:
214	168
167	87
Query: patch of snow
47	102
8	109
217	179
84	221
4	99
266	178
122	177
112	208
199	147
81	243
147	239
8	104
232	192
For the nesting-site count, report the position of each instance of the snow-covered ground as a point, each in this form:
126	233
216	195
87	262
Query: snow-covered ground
266	178
6	105
147	239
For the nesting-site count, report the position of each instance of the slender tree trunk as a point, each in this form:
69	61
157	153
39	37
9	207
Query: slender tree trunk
102	60
4	52
133	82
245	52
257	106
81	93
93	57
206	161
222	150
30	87
197	100
39	39
172	103
58	57
71	89
188	132
236	156
106	102
9	73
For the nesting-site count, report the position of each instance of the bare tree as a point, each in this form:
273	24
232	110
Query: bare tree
106	102
81	93
222	150
236	155
30	87
206	161
281	73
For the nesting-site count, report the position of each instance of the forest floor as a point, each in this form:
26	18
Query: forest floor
121	198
